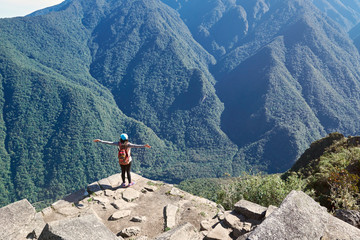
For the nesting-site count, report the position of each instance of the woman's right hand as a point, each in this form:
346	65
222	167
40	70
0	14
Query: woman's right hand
97	140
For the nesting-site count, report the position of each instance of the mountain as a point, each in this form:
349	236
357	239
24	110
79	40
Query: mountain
344	12
278	74
215	87
86	70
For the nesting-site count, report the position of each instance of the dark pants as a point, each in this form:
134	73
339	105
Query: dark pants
125	168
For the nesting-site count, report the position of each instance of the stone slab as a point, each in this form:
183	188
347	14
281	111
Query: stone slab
82	228
250	209
19	220
120	214
130	194
219	233
170	215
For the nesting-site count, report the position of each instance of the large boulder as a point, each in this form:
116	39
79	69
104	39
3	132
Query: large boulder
19	220
87	227
300	217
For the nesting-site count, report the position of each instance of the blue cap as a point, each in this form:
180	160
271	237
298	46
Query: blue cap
124	136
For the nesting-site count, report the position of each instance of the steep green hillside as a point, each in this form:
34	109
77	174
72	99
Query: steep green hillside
280	64
344	12
331	168
88	70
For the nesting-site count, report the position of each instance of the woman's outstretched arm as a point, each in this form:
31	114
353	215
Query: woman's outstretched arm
107	142
131	145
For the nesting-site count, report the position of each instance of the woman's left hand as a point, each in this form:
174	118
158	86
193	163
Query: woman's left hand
147	145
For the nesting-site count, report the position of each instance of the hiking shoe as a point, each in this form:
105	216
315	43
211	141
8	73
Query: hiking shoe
130	184
123	185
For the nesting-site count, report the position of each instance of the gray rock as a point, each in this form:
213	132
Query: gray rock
185	231
250	209
130	232
234	219
300	217
236	222
208	224
120	214
350	216
19	220
130	194
122	204
219	233
138	219
82	228
170	215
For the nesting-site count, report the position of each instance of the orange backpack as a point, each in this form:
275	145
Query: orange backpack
123	155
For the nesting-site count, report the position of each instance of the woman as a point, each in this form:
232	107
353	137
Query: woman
124	155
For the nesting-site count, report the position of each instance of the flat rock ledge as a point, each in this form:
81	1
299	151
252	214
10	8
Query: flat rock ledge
152	210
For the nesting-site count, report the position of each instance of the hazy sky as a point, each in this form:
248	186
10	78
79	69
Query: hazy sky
16	8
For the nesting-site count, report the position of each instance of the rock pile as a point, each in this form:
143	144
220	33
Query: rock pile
154	210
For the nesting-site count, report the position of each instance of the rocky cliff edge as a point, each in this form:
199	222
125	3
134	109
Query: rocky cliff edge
159	211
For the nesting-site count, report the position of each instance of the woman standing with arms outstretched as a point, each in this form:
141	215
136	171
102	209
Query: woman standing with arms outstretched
124	155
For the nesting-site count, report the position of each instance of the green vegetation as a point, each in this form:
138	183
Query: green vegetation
221	93
259	188
329	171
331	168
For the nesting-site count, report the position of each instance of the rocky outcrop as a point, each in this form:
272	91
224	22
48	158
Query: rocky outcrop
245	217
155	210
300	217
145	210
19	220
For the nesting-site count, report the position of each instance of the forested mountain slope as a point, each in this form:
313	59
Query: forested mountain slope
216	87
87	71
344	12
278	74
